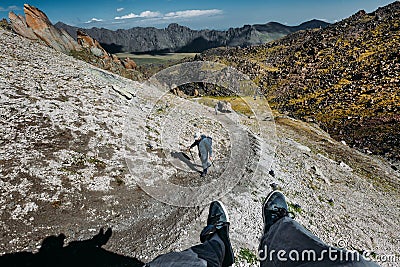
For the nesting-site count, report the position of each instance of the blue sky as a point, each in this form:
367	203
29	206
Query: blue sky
197	14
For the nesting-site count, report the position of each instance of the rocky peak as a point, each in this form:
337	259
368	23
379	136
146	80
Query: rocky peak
176	27
35	18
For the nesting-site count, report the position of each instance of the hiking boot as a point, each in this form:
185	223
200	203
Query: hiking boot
204	173
274	208
218	222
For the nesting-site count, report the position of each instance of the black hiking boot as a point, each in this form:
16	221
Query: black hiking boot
274	208
218	222
204	173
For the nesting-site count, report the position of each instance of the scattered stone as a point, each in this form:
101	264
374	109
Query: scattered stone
123	92
345	166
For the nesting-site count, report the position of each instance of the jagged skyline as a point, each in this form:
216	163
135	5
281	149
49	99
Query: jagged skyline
194	14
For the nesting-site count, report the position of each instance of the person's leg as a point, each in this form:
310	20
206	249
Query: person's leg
286	243
204	162
184	258
215	250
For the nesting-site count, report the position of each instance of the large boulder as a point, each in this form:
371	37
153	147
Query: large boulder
223	106
129	64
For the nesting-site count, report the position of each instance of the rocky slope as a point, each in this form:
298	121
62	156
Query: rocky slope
177	38
62	167
344	77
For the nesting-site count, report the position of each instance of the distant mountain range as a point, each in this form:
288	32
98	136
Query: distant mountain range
177	38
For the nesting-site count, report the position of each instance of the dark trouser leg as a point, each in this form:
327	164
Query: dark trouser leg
212	251
289	244
210	254
204	161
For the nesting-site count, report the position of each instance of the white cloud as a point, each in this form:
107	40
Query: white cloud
129	16
144	14
9	8
120	9
172	15
192	13
94	20
150	14
323	19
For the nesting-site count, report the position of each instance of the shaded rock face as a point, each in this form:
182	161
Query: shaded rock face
177	38
4	24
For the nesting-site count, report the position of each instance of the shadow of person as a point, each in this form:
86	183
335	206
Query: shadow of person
76	254
185	159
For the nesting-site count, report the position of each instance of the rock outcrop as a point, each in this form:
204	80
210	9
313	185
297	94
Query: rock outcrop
177	38
4	24
36	26
95	54
129	63
18	24
223	106
36	23
93	45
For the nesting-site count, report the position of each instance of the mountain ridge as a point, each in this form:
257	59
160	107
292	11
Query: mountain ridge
178	38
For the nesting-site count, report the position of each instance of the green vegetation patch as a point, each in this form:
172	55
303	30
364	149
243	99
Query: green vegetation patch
146	59
295	208
247	255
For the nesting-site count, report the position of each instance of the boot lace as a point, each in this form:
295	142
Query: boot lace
281	212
